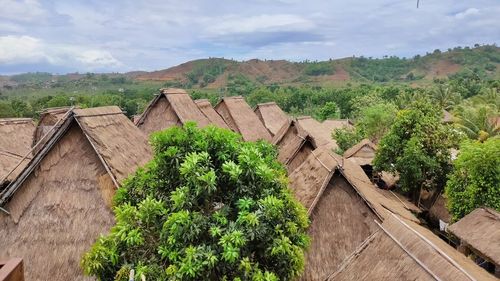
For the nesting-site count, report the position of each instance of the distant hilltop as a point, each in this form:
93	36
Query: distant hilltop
214	73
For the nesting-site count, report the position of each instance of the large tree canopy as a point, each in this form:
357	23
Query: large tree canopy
475	180
207	207
417	147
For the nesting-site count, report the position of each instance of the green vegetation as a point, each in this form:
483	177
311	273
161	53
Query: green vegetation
205	72
475	181
381	70
417	148
207	207
329	111
319	68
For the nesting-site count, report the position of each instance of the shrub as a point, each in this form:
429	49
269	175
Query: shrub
207	207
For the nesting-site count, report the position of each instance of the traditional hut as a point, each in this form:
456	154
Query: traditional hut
48	119
271	116
403	250
348	215
322	132
363	154
15	143
60	203
479	234
294	144
171	107
240	118
209	112
343	206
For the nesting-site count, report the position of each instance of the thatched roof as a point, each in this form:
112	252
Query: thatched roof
439	211
320	132
118	143
171	107
333	124
447	117
480	231
271	115
48	118
209	112
240	118
15	142
403	250
61	202
363	149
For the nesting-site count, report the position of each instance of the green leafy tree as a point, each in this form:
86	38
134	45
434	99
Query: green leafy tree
417	148
475	180
329	111
207	207
347	138
376	120
476	121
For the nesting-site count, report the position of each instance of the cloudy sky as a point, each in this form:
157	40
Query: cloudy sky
103	36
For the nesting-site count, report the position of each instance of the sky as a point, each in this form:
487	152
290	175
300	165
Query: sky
121	36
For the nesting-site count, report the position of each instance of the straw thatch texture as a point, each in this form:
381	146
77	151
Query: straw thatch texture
63	197
380	259
59	211
320	132
240	118
379	199
480	231
339	223
15	142
333	124
48	118
295	152
310	179
438	211
271	115
401	251
447	117
212	115
172	107
363	149
122	146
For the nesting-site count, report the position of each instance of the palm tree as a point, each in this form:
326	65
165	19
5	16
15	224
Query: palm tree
445	97
478	122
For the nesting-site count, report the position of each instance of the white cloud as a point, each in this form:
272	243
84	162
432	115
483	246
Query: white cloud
30	50
23	10
467	13
260	23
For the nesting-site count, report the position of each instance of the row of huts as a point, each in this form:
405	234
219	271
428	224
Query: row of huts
57	180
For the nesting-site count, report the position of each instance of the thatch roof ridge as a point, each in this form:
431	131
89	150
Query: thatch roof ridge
49	117
355	148
271	116
319	131
381	201
120	145
243	118
402	249
206	108
182	104
480	230
15	120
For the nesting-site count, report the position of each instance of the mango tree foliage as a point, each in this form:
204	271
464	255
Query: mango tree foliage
417	147
207	207
475	180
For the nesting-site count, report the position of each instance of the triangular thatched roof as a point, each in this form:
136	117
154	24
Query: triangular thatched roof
240	118
61	201
171	107
294	144
480	231
15	142
48	119
447	117
322	132
206	108
363	149
271	115
403	250
118	143
346	211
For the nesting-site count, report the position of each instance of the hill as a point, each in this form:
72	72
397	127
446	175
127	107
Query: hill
215	73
